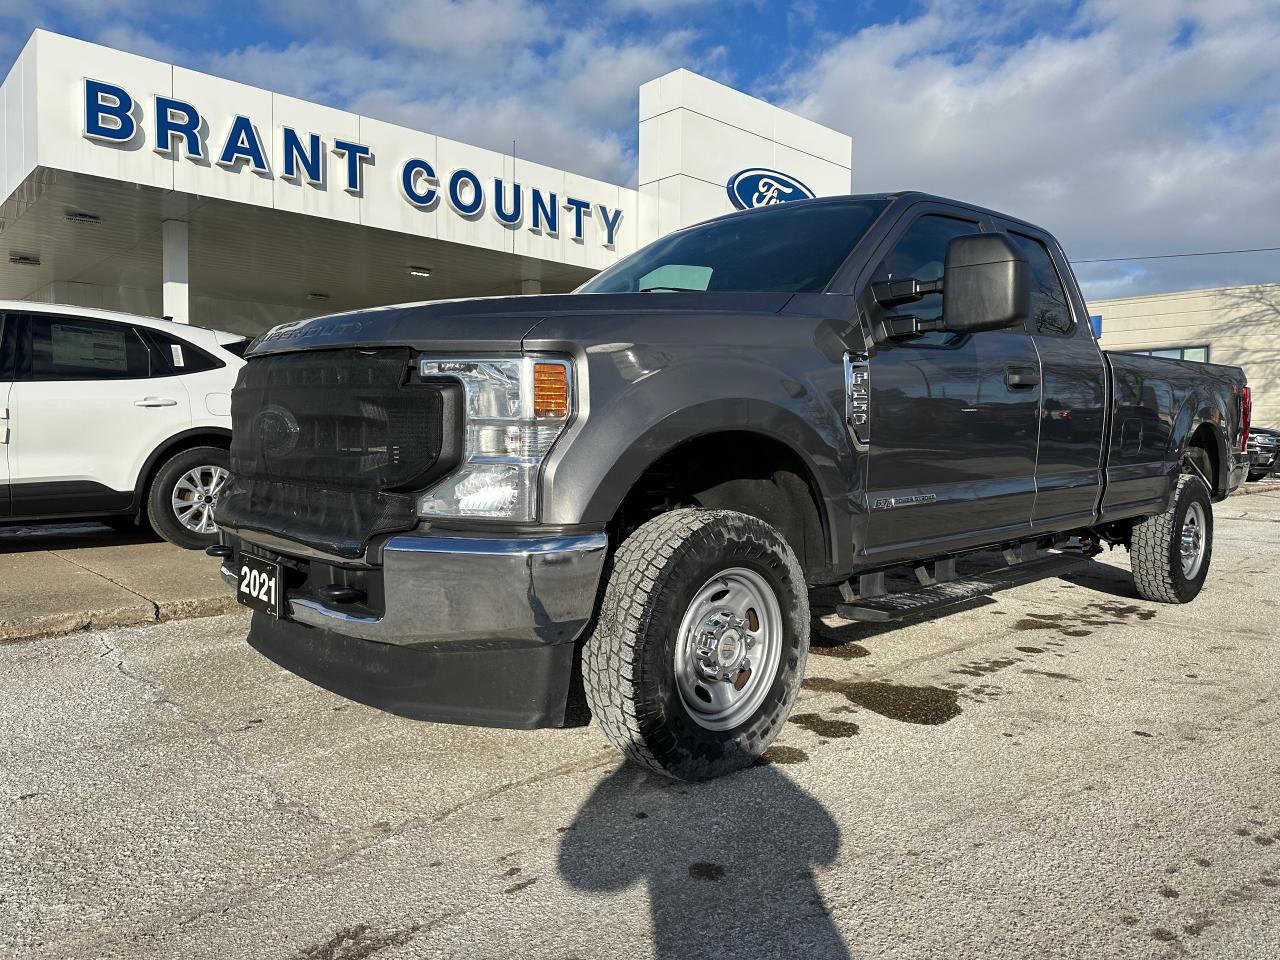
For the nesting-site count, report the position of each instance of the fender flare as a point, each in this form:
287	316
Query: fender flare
728	415
1198	411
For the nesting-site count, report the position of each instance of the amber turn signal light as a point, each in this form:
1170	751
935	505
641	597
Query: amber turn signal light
550	390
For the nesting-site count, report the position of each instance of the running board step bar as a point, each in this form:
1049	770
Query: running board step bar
941	593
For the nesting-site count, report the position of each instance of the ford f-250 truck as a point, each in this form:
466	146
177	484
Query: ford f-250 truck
455	510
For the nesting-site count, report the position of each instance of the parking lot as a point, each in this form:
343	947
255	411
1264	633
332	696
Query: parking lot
1061	771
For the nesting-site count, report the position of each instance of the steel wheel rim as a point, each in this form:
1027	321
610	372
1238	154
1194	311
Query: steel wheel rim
195	495
1193	541
733	623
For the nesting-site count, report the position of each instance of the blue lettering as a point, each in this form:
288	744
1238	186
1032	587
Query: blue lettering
243	143
310	157
175	117
580	208
610	222
546	213
409	180
510	217
472	207
105	102
356	154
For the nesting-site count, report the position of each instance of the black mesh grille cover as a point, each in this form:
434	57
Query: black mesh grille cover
329	447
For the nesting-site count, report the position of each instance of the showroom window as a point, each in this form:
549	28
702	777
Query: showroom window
1173	353
65	348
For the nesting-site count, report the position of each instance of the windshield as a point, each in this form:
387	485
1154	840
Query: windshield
786	248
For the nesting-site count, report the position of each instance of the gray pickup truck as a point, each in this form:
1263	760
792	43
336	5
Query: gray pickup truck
465	511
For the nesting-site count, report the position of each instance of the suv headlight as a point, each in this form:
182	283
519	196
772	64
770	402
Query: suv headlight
515	410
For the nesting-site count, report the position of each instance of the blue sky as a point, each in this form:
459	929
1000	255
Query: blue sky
1126	127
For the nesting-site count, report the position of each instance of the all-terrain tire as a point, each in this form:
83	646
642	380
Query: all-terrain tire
1156	551
628	660
160	509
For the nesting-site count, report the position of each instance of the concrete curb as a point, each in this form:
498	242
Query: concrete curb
1262	487
131	615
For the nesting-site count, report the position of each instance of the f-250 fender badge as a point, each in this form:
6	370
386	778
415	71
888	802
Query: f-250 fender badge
888	503
857	396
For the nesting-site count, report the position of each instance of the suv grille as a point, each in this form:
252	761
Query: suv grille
329	447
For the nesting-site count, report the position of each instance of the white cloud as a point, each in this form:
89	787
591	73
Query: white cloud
1146	126
568	101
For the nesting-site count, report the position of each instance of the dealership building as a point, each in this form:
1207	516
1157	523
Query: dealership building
1239	326
135	185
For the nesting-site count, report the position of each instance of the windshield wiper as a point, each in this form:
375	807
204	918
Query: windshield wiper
672	289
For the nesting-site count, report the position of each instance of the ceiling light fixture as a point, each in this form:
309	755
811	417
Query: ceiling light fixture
73	217
24	260
419	271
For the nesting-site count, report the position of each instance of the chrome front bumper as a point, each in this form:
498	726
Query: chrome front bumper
457	592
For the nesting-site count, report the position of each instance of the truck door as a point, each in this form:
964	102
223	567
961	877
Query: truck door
953	416
1069	466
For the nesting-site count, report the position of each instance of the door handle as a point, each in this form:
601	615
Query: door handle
1021	378
155	402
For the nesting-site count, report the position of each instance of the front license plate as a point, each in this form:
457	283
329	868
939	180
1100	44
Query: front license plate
259	584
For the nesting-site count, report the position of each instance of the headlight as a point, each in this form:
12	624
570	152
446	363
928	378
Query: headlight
515	410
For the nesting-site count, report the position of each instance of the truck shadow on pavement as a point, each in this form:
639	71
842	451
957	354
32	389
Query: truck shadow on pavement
728	864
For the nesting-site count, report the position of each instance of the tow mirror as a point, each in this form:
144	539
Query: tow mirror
986	284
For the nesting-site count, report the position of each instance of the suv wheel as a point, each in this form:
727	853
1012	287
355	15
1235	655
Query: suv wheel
1170	551
700	646
183	494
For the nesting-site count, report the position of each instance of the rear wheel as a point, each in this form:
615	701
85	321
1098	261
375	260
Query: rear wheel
1256	475
699	650
183	494
1171	551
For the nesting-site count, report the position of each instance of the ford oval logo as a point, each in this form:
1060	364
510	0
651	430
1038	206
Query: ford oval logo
758	187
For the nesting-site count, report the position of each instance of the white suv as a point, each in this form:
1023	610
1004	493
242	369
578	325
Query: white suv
113	417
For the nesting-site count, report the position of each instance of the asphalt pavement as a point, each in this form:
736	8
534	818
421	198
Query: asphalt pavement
1064	770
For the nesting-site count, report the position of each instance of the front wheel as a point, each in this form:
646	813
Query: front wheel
1170	551
700	646
183	494
1256	475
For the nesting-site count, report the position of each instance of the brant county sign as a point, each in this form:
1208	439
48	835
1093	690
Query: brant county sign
112	116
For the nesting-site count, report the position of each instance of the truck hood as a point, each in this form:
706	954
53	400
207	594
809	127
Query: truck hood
489	324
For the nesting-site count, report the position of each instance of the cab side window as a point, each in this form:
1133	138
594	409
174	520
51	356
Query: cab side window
1050	313
921	253
68	348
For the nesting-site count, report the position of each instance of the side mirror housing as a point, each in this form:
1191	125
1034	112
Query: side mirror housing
986	284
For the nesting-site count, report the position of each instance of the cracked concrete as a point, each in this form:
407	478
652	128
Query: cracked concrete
57	579
1065	771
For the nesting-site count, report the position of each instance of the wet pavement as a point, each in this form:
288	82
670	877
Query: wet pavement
1064	770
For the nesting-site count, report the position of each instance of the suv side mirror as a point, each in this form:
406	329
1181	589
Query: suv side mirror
986	284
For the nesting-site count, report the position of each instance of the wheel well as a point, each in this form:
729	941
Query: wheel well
1205	451
174	445
734	470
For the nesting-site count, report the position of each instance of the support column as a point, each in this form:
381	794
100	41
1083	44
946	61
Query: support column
530	287
173	268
